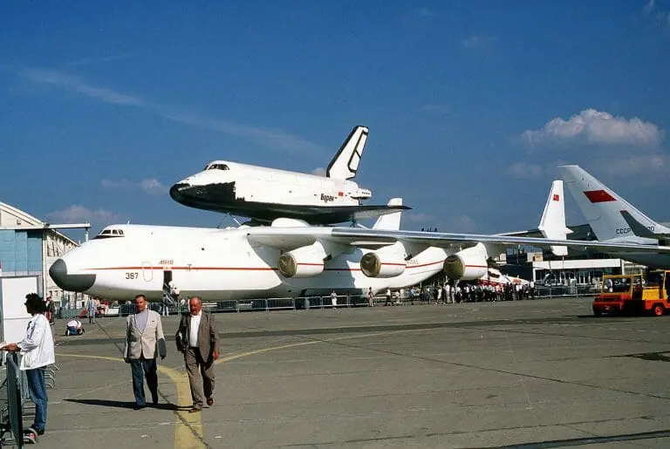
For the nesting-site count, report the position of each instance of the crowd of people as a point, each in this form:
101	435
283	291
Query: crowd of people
461	292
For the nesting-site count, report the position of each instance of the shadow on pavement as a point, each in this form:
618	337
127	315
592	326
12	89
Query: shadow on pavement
125	404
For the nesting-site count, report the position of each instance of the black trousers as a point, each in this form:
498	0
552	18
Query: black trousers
142	368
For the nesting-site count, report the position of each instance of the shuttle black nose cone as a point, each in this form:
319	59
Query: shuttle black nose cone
70	282
177	191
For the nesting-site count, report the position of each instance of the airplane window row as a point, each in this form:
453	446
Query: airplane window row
217	167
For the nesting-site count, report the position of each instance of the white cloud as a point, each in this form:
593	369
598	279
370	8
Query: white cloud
657	14
75	84
478	41
524	170
319	171
649	166
419	217
152	186
595	127
424	12
461	223
78	214
272	138
441	109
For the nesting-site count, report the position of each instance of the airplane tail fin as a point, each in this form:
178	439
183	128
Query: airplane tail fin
602	207
344	164
552	224
390	222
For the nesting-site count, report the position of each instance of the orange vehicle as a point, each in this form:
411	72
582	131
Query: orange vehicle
634	294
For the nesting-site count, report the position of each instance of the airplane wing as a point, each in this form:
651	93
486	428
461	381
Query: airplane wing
291	238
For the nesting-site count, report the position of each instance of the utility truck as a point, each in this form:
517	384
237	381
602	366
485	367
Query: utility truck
634	294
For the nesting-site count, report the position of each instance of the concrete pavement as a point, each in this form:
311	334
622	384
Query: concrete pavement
526	374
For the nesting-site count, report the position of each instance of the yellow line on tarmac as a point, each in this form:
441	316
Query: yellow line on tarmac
261	351
188	431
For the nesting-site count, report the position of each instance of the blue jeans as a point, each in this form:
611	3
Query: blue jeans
38	394
142	368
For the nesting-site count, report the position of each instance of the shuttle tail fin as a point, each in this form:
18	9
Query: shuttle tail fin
552	224
602	206
344	164
390	222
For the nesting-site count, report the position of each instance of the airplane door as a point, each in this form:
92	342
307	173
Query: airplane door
167	278
147	271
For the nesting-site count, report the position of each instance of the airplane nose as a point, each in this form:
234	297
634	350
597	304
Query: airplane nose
176	190
70	282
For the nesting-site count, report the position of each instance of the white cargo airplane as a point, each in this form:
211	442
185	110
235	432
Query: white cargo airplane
289	258
265	194
613	219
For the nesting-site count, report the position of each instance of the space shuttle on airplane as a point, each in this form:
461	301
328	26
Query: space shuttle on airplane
613	219
265	194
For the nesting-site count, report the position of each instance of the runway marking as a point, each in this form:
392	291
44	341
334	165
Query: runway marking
188	430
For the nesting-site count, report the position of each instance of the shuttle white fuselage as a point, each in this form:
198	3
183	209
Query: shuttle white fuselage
265	194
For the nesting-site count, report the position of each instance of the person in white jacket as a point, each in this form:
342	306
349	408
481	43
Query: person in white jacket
37	350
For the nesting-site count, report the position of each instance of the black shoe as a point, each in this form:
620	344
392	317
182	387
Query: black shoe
138	406
39	431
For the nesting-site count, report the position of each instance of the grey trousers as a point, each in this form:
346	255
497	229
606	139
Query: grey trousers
196	367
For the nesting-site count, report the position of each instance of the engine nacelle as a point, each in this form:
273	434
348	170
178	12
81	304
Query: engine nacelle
384	263
468	264
303	262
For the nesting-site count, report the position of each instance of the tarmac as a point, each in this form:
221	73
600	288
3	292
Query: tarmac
525	374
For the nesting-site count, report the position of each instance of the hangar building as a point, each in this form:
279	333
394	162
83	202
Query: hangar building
28	247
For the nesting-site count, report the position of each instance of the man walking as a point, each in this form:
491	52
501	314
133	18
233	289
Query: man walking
92	308
144	338
198	339
37	349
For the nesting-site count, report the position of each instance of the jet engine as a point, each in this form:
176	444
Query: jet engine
384	263
467	264
303	262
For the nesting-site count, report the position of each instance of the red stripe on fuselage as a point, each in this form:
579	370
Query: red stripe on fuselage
168	268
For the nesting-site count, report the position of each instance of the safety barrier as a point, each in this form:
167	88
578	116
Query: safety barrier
348	301
14	389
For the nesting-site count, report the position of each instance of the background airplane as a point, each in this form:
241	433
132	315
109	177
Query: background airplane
607	213
265	194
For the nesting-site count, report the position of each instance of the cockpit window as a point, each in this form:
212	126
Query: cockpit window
217	167
109	233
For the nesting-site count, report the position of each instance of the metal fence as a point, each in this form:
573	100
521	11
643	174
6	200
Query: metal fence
15	403
14	389
342	301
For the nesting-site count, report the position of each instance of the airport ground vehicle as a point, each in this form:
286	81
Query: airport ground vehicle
634	294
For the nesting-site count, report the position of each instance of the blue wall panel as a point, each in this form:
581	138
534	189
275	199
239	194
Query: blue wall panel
21	251
34	251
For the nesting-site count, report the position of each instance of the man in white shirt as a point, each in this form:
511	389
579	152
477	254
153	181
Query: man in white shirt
37	349
198	339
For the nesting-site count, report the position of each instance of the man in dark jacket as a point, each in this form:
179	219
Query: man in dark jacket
198	339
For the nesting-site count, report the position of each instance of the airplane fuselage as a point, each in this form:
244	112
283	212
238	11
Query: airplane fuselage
215	264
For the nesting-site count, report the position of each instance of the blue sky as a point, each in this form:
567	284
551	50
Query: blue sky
470	105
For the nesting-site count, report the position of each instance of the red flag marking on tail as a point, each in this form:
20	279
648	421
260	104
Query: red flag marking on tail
599	196
556	197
